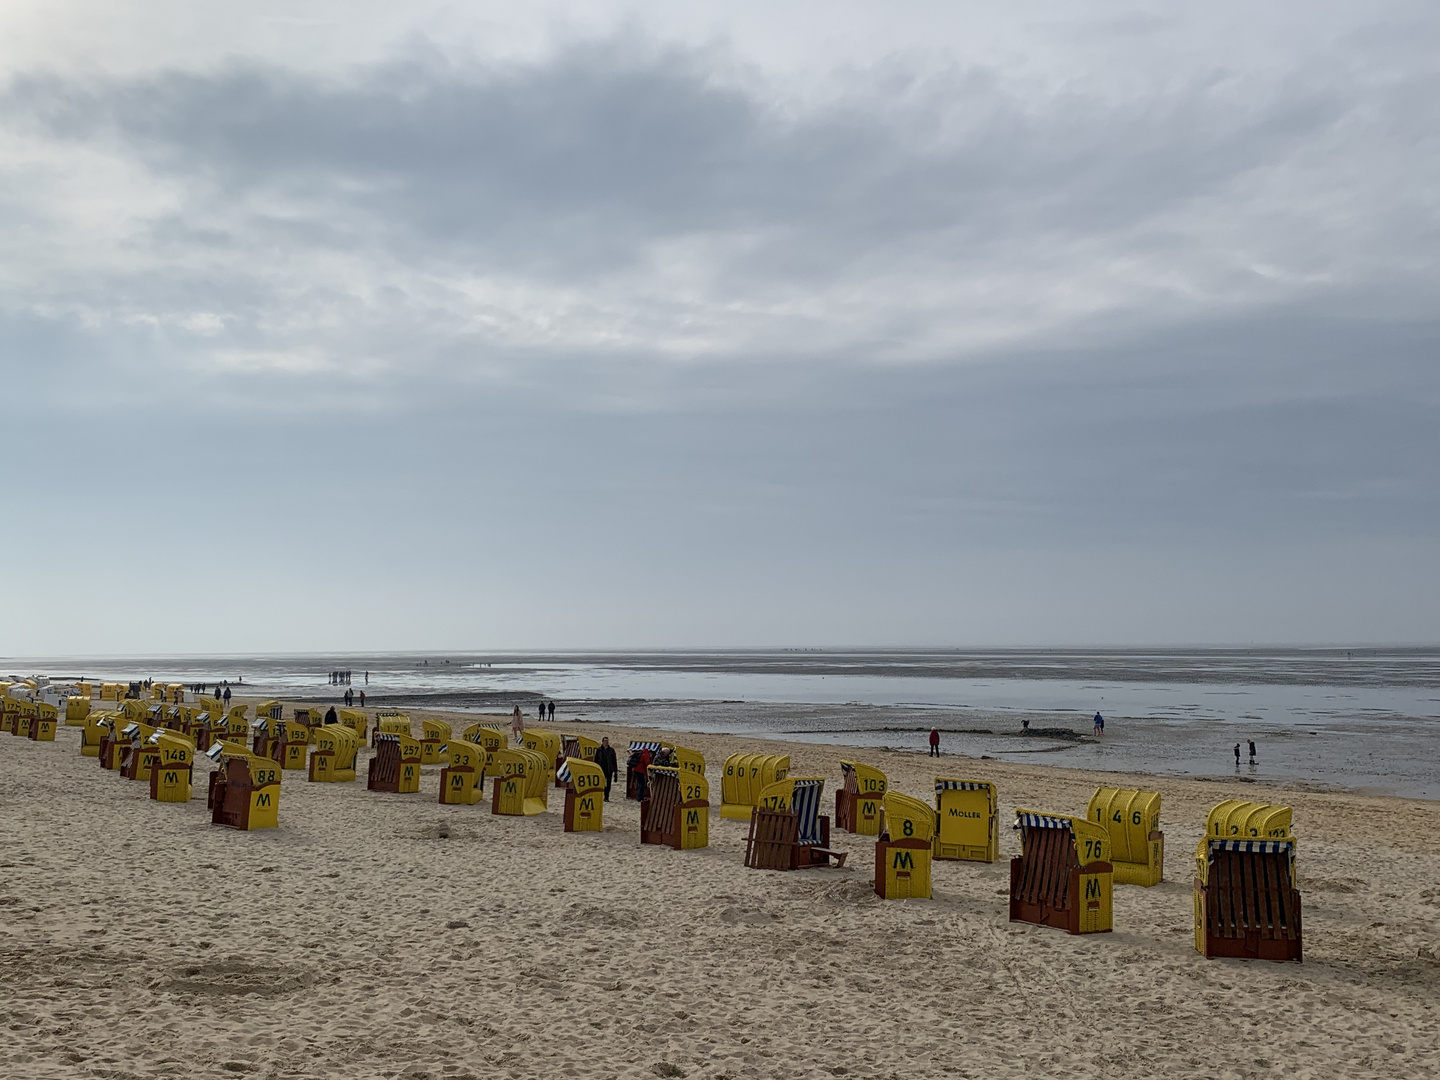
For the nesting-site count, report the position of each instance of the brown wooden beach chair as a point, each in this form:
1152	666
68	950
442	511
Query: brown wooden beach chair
787	831
676	811
1246	902
860	799
244	791
1063	878
396	764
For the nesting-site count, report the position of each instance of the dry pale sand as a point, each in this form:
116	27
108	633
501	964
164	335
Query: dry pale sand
381	935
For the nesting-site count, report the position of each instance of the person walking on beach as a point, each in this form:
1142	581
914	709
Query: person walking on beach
1099	723
217	693
362	699
349	697
227	697
551	708
605	758
934	742
1252	750
367	678
1237	755
1025	726
541	711
517	724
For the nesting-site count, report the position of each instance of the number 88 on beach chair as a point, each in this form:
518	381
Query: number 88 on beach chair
1246	903
787	831
244	790
676	810
584	794
1063	878
858	802
1137	846
902	854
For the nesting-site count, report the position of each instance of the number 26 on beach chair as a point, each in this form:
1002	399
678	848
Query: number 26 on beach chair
902	854
787	831
1063	878
859	800
1246	903
676	810
584	794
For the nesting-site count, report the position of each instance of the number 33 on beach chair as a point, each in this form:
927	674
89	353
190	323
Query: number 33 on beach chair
1064	877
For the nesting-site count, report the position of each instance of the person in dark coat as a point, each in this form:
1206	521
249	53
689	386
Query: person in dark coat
605	758
330	717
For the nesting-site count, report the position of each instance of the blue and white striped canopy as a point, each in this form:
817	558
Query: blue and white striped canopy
216	749
563	772
1040	821
942	784
1259	847
130	729
653	747
805	802
386	736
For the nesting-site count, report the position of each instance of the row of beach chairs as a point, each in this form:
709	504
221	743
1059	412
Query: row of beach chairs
1246	903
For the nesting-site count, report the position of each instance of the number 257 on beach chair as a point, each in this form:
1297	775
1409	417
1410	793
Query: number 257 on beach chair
787	831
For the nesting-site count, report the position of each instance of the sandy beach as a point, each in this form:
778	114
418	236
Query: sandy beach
376	935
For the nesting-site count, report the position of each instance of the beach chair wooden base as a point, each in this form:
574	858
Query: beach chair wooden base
774	843
1049	888
231	796
902	869
1249	909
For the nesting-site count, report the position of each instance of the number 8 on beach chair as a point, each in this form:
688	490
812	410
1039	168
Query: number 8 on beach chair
858	802
902	854
968	814
677	808
1063	876
787	830
1137	846
1246	903
584	795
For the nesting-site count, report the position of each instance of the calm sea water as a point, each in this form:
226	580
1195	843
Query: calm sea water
1358	718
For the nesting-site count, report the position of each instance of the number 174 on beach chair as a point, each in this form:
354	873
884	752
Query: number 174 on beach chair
787	831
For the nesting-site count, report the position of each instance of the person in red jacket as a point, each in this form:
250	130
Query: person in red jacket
934	742
642	778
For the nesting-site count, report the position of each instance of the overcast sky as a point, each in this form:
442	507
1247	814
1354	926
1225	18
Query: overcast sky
331	326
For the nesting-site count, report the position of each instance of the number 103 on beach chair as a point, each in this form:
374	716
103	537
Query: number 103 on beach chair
902	854
858	802
1063	878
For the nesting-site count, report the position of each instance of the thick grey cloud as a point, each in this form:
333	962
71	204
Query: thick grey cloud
634	333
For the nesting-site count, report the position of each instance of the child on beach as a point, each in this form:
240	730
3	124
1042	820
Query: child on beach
517	724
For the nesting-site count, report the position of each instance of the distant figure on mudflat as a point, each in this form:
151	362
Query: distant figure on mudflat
1099	724
551	709
1252	750
1025	726
541	711
605	758
362	699
217	693
1237	755
517	725
934	742
227	695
